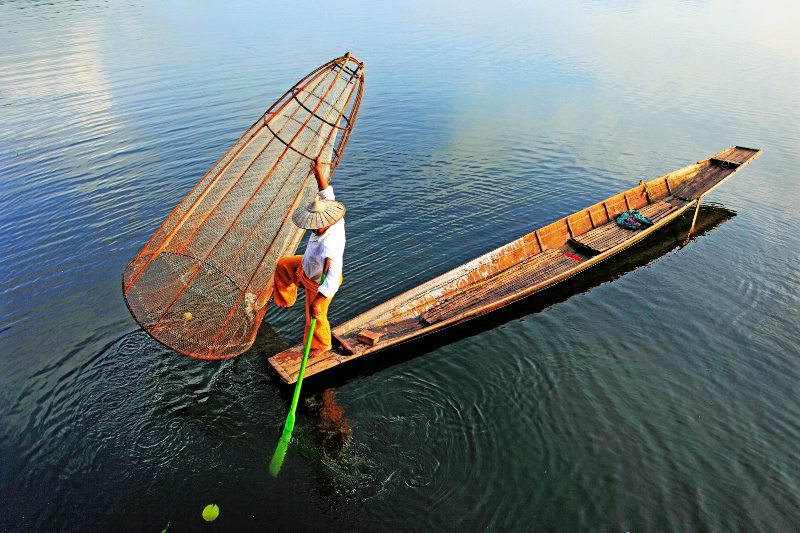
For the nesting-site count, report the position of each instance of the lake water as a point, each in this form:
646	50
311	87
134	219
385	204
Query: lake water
657	393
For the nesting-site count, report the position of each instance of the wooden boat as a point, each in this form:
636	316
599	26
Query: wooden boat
523	267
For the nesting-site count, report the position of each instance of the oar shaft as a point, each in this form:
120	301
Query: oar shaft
302	371
283	443
296	397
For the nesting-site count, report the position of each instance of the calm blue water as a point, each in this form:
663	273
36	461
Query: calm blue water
658	393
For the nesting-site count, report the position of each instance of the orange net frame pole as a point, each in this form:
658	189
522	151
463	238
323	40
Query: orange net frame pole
200	284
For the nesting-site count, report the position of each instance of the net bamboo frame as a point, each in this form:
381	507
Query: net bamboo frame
199	284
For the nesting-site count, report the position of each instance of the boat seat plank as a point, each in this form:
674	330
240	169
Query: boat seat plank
610	234
537	269
287	363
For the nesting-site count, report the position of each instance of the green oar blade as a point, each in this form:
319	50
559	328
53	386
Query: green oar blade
283	443
280	454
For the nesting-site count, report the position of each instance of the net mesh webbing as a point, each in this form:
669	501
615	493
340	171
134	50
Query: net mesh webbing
199	285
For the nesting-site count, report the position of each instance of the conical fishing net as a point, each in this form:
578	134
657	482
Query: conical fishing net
199	285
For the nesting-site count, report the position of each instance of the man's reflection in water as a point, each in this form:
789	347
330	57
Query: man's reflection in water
343	471
333	430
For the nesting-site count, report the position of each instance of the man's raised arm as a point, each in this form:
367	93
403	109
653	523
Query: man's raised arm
316	167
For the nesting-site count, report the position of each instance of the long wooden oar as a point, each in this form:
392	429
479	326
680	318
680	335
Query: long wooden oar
283	443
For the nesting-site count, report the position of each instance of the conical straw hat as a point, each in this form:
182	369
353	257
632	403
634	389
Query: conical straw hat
318	214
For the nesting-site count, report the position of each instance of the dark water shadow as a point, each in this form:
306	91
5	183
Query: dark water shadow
669	238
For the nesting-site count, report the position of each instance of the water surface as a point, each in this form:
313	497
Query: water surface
655	394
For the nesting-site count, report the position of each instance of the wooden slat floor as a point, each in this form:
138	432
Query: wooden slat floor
537	269
610	235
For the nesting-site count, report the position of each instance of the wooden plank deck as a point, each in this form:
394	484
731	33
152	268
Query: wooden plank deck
722	166
537	269
610	235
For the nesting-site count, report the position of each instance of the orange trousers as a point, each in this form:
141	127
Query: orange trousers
289	275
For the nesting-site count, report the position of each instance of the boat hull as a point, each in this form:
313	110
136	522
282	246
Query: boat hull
528	265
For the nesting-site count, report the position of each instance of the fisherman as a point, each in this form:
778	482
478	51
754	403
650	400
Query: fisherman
325	218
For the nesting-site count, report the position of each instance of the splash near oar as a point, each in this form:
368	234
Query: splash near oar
283	444
201	284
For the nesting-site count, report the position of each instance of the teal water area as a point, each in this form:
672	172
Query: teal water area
657	393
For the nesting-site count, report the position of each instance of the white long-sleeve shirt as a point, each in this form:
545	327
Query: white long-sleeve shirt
331	245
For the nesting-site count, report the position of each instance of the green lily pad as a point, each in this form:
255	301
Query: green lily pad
211	512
